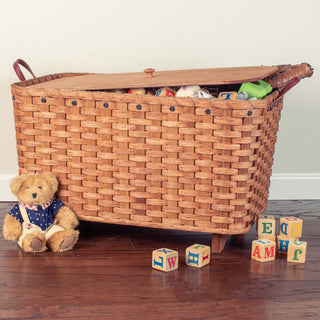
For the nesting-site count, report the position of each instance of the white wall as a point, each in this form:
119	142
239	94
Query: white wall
123	36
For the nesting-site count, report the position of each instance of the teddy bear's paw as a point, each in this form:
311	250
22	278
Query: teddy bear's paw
34	243
63	240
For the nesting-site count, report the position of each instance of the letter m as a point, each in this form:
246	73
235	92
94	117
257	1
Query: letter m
269	253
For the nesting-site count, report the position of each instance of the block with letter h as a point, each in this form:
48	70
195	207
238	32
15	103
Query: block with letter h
198	255
283	243
290	230
165	259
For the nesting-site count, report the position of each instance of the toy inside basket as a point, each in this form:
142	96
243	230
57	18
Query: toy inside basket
162	162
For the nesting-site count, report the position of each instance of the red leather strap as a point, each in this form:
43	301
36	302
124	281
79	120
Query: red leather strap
288	86
18	71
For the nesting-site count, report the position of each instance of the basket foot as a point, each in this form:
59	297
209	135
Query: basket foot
218	242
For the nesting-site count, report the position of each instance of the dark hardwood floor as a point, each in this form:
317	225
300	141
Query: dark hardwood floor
109	276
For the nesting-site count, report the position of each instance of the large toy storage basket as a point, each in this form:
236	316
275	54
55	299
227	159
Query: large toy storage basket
162	162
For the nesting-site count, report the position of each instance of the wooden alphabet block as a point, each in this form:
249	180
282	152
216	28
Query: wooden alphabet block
165	259
283	243
198	255
231	95
266	225
271	237
263	250
297	251
291	227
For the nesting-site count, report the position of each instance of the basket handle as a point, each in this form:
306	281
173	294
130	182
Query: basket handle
286	73
288	86
18	71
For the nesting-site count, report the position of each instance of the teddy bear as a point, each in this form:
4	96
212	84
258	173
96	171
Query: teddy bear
39	220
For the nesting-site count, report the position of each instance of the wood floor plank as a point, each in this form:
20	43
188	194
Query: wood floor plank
109	276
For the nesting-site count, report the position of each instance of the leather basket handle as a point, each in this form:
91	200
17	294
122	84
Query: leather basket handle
17	69
286	73
288	86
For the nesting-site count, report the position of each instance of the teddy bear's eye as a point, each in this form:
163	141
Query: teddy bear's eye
40	187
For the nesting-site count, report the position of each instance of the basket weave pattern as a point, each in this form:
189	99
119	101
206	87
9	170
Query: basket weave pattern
198	165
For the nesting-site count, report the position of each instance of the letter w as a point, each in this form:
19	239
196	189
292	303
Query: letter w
172	262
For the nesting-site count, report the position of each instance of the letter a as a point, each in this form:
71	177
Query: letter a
256	252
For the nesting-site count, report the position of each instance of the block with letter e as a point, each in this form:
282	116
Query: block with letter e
266	225
272	237
165	259
198	255
263	250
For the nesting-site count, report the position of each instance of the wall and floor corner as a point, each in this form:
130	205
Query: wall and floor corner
182	35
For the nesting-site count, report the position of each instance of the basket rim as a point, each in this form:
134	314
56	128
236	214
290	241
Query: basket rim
23	88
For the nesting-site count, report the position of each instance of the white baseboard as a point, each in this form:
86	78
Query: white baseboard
295	186
283	187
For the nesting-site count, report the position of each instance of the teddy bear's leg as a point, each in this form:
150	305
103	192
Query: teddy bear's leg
63	240
34	242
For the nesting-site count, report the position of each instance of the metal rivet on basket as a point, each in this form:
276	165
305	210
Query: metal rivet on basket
249	113
139	107
43	100
208	111
172	108
106	105
74	103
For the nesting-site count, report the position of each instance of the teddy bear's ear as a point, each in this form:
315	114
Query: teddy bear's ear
16	184
51	180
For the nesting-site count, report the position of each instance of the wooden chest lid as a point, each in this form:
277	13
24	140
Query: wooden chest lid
151	78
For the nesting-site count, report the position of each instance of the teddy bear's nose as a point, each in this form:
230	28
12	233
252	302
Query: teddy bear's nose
34	195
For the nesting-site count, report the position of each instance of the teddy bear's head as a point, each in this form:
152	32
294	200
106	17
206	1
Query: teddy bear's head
34	188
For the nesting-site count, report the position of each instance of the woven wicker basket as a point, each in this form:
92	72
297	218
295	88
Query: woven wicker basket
162	162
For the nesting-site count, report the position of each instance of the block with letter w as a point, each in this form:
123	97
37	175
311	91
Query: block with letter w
165	259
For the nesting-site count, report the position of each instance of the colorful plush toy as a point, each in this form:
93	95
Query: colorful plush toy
39	219
188	92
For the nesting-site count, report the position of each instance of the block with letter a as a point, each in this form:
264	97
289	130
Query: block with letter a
263	250
165	259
